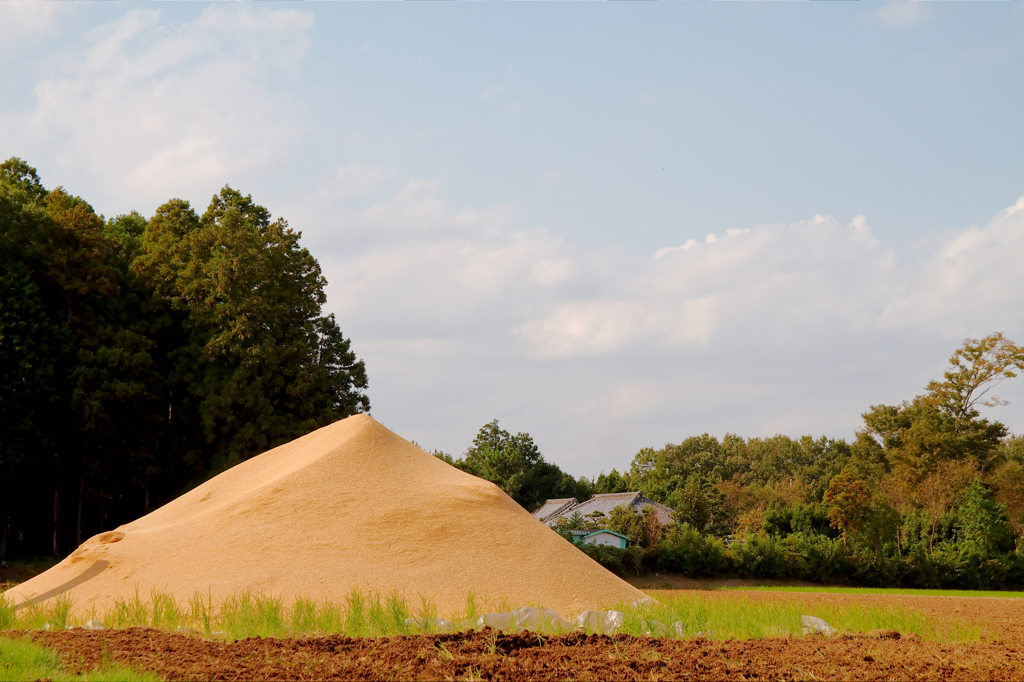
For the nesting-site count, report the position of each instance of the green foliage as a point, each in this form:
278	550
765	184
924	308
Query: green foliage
692	505
140	356
576	521
260	365
642	528
808	519
1011	449
848	503
944	423
686	551
1008	482
24	660
752	618
613	482
983	528
515	464
376	615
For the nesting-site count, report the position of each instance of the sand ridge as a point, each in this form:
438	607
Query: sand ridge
349	506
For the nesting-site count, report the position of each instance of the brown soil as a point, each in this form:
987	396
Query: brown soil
496	656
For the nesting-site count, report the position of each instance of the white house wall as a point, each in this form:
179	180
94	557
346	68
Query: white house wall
603	539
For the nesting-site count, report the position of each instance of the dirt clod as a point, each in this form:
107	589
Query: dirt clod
884	634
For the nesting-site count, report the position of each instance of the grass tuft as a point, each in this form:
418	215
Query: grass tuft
757	618
359	615
21	660
906	592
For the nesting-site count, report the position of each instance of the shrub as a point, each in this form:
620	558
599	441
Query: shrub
688	552
763	556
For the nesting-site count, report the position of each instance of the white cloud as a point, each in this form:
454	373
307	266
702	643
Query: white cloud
549	273
500	94
900	13
22	20
464	315
627	399
971	276
356	180
154	109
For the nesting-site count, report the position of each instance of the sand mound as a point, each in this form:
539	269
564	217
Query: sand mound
352	505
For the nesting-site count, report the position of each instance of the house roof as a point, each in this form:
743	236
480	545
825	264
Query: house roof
552	507
605	503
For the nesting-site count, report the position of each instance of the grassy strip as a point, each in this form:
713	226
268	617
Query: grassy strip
757	618
875	590
359	615
21	660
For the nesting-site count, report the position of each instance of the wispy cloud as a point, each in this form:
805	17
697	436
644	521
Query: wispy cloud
467	314
146	105
24	20
503	94
901	13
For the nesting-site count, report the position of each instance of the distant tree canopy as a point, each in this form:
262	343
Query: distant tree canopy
515	464
140	356
929	490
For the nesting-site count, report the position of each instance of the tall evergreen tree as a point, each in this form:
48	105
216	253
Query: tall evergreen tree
259	364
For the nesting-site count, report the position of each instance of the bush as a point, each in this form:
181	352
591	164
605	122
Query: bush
824	559
814	558
609	557
687	552
763	556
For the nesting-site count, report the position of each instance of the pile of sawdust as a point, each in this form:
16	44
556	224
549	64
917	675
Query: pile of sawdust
350	506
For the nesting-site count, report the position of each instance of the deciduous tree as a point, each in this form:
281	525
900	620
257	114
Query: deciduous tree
515	464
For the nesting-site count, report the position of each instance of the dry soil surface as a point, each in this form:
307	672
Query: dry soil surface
492	655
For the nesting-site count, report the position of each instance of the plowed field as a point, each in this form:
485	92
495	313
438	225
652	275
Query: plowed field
496	656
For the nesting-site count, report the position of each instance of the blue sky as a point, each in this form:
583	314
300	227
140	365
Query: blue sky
612	225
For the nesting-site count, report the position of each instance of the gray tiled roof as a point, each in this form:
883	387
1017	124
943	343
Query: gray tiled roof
605	503
552	507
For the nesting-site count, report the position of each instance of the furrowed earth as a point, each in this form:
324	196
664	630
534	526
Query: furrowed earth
492	655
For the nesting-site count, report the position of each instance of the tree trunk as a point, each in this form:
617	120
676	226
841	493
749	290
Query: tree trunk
78	523
3	539
56	510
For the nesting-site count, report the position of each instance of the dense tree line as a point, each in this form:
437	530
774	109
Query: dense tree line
140	356
929	493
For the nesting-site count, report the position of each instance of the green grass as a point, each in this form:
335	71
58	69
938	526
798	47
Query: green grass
21	660
877	590
360	615
754	619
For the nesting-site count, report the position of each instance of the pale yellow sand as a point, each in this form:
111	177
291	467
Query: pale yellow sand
352	505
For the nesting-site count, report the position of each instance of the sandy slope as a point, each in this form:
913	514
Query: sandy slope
352	505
